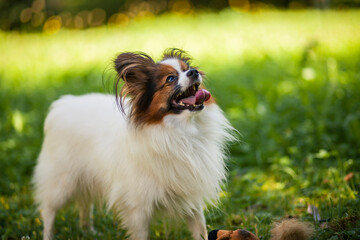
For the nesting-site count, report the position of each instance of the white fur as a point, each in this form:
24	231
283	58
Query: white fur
92	153
183	80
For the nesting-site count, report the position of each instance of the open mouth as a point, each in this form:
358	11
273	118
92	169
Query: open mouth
192	98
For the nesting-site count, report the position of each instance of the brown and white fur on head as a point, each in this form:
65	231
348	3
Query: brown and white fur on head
166	153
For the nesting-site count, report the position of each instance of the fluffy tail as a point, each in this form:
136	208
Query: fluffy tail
292	229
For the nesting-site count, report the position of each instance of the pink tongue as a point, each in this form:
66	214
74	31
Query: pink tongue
189	100
200	96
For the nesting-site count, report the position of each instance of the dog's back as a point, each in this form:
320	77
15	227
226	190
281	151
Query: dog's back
78	131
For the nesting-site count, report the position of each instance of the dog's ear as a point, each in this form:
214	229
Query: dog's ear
134	67
137	72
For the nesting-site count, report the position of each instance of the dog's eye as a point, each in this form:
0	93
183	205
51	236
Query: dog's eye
171	78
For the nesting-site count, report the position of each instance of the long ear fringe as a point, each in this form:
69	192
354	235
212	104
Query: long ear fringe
135	69
120	95
292	229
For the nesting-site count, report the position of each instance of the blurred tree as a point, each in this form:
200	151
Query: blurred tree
74	6
322	4
10	12
33	14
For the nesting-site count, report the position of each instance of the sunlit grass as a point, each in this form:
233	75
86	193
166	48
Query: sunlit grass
228	37
288	81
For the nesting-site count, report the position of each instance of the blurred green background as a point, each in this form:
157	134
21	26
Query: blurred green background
286	73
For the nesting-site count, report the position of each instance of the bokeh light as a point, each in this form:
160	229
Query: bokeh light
181	6
38	5
37	19
52	25
243	5
119	19
66	18
98	17
26	15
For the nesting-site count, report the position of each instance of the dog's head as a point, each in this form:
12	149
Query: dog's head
171	86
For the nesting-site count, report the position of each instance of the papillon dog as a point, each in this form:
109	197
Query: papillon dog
159	145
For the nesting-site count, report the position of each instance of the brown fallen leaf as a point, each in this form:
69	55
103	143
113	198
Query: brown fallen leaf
348	176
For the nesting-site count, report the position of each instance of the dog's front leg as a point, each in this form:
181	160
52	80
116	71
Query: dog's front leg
137	223
197	225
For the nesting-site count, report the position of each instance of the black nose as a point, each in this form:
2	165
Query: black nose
193	73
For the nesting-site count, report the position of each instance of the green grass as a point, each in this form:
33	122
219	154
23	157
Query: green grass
288	81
